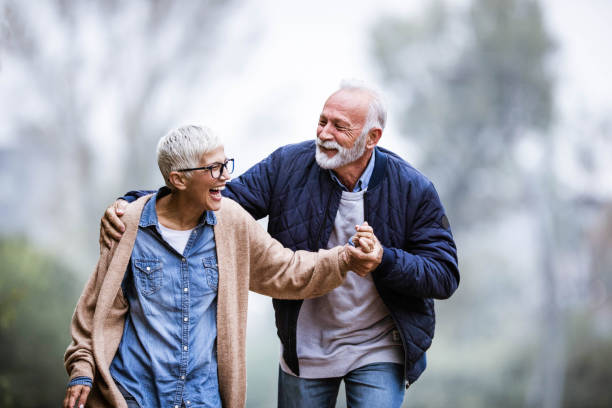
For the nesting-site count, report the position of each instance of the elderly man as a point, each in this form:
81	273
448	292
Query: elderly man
371	332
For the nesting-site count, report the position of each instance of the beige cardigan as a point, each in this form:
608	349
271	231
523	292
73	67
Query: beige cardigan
248	258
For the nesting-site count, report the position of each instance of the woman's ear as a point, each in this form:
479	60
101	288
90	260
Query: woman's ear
178	180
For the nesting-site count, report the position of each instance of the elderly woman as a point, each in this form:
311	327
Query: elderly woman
162	320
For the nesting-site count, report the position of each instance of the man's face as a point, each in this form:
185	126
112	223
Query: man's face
340	139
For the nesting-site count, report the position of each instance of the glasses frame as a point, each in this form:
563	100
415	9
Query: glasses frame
210	168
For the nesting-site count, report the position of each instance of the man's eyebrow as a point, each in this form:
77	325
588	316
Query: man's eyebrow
336	121
341	122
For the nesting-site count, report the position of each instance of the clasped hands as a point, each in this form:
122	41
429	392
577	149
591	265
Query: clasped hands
367	253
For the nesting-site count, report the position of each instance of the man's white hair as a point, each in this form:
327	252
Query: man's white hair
182	148
377	112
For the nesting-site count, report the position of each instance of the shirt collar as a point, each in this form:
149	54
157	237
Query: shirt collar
149	214
363	181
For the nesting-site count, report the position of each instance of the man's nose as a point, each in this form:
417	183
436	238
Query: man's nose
325	136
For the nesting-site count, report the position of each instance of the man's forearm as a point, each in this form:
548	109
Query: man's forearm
418	275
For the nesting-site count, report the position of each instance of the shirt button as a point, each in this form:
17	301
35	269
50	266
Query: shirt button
182	377
185	348
185	289
183	259
148	268
185	319
188	402
176	406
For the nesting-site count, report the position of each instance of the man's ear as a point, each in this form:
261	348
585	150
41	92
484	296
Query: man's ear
178	180
374	136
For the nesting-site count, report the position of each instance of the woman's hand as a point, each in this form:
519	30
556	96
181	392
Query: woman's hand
76	394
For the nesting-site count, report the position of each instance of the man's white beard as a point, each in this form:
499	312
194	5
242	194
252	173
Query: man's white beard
344	155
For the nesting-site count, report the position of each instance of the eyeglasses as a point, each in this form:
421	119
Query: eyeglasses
216	169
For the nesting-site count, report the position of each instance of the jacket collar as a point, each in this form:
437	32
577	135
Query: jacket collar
380	168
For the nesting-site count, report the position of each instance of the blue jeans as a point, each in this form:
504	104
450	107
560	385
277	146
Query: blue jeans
131	401
373	385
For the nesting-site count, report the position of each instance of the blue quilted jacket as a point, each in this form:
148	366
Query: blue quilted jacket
419	262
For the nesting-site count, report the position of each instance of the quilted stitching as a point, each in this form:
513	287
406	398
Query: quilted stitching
301	191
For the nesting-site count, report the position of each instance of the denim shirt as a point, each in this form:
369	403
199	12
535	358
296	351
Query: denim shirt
167	355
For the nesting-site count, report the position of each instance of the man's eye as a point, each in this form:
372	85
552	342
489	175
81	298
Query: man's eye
322	123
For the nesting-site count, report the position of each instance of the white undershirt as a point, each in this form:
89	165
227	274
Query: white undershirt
176	238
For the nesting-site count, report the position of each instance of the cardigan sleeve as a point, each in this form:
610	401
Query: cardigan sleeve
78	358
281	273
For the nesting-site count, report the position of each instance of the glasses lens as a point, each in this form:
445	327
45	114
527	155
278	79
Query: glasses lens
228	166
216	170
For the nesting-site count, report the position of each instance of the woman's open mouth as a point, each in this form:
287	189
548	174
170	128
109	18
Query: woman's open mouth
216	192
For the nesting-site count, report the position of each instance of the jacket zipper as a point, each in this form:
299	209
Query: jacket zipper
397	326
322	227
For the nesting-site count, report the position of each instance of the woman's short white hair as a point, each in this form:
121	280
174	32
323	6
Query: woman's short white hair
182	148
377	112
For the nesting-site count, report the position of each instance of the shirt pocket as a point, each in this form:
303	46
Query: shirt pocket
149	275
211	271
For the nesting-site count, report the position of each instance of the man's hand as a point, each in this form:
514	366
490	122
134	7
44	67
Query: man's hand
367	254
111	227
76	394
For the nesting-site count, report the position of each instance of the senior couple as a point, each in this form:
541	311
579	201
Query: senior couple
358	247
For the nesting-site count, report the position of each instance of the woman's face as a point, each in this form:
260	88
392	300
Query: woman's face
202	187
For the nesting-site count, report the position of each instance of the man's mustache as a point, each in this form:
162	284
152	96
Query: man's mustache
330	144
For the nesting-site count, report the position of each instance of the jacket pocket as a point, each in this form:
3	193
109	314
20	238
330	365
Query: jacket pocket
149	274
211	270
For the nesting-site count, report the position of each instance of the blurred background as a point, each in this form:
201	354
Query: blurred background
503	104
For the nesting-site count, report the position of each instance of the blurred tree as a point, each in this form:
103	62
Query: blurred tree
37	297
588	368
88	88
475	86
471	84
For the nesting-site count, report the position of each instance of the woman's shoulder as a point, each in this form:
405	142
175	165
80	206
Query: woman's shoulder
231	209
232	213
133	211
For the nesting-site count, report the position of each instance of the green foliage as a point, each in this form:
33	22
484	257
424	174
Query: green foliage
37	297
588	372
